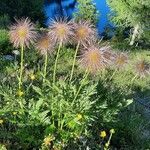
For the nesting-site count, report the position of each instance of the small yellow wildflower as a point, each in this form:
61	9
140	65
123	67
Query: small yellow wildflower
112	131
48	140
1	121
14	113
20	93
103	134
32	77
79	117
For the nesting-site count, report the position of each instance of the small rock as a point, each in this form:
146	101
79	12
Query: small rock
16	52
8	57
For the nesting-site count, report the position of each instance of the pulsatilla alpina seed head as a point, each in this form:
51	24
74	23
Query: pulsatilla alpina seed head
84	32
142	68
61	30
22	33
121	59
92	59
45	45
108	54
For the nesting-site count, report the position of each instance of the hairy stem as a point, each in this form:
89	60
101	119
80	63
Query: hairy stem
132	81
45	67
21	67
74	60
81	85
108	142
114	73
56	61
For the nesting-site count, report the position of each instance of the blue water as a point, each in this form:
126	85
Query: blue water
55	8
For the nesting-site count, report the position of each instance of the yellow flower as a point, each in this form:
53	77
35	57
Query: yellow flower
79	117
112	131
14	113
20	93
1	121
102	134
32	77
48	140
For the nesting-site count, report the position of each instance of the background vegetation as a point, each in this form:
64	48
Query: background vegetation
10	9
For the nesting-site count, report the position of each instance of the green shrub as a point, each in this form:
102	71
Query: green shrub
4	21
5	46
86	11
17	9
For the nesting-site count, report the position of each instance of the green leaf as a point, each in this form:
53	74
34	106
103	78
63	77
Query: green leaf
37	90
129	101
50	129
39	103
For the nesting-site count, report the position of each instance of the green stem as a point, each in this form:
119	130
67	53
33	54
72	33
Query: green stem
53	115
29	87
59	121
109	139
82	83
21	67
45	67
114	73
56	61
132	81
62	122
108	142
74	60
21	104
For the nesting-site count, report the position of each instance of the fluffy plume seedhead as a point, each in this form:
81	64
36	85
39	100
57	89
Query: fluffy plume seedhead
142	68
93	59
121	59
22	33
84	32
108	54
45	45
61	30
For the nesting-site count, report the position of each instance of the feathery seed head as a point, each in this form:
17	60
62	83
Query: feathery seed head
93	59
22	33
84	32
61	30
121	60
45	45
108	54
142	68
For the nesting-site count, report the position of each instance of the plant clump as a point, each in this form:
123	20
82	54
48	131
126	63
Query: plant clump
60	107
